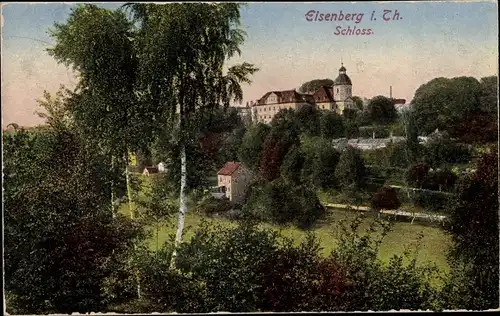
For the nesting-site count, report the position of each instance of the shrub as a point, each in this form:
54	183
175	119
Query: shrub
282	203
371	285
386	198
212	206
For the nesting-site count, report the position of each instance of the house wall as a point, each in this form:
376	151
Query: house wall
239	184
236	184
265	113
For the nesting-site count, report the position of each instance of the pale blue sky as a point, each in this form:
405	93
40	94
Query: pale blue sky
431	39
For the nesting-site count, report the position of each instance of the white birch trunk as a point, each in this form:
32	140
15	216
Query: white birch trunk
113	196
183	196
183	203
129	191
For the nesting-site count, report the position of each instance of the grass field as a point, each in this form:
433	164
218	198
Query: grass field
432	247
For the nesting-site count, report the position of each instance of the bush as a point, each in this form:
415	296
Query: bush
170	289
282	203
386	198
212	206
371	285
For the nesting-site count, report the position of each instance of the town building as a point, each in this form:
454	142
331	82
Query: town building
234	177
336	98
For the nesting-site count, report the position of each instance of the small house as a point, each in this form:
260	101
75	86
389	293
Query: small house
162	167
149	171
235	178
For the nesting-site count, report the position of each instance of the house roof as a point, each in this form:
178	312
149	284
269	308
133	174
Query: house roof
287	96
324	94
229	168
151	169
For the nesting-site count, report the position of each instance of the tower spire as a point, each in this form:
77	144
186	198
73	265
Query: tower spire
341	62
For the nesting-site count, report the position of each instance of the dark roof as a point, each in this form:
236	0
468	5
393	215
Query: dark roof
151	169
399	101
229	168
342	79
287	96
323	94
342	68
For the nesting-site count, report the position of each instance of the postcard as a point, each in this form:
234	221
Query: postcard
206	157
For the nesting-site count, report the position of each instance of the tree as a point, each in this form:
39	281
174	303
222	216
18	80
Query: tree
358	102
350	171
479	127
324	165
251	146
308	118
441	101
314	85
473	226
417	174
291	169
182	51
332	125
284	203
97	43
386	198
382	110
56	203
441	150
488	95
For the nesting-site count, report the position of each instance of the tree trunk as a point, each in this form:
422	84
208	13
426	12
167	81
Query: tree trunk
129	191
183	203
113	196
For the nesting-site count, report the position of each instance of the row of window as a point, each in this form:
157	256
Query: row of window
272	108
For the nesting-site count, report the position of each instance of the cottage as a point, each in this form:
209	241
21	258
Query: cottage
149	171
234	177
162	167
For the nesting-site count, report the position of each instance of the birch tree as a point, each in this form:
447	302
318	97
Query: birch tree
183	49
98	45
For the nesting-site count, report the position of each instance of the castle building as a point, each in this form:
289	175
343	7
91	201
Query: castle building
335	98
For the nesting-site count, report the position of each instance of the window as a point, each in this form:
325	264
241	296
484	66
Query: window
337	90
220	179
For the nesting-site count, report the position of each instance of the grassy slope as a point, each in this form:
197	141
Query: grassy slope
432	247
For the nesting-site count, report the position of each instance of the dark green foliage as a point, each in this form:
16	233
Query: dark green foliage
476	128
283	203
212	206
358	102
473	226
57	210
244	269
350	171
441	101
331	125
442	150
313	85
291	169
488	95
323	167
398	154
371	285
284	134
350	114
309	120
441	180
417	175
382	110
351	129
252	144
386	198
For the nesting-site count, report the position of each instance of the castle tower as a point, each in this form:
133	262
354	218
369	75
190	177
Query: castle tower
342	89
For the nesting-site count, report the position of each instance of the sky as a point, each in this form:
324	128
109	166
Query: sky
423	41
